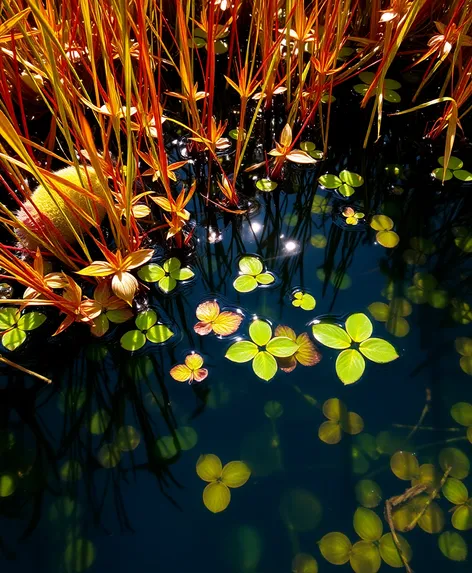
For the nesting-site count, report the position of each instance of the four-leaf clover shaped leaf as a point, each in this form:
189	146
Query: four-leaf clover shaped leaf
167	275
262	350
350	364
147	329
251	275
216	495
14	326
191	371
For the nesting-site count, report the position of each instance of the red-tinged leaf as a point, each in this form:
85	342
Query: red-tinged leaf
138	258
307	353
208	311
227	323
181	373
203	328
299	156
193	361
199	375
97	269
90	308
286	331
124	285
287	364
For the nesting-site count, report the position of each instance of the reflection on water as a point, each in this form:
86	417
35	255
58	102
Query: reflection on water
98	470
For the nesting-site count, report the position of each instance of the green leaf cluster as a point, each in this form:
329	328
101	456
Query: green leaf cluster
252	274
166	276
148	328
14	326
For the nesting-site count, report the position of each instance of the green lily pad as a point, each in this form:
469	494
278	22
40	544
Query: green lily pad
438	173
331	335
392	96
31	320
307	146
367	524
346	190
389	552
167	284
99	422
146	319
265	278
13	338
251	266
151	273
159	333
350	366
367	77
264	365
335	548
245	283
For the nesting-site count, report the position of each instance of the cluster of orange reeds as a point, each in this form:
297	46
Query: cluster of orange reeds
104	79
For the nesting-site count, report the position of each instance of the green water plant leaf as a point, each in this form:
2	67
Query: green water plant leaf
389	551
306	355
303	300
464	348
365	557
262	350
339	421
350	178
266	185
166	276
368	493
335	548
455	460
16	325
330	181
350	363
251	274
404	465
453	546
454	162
367	524
385	236
463	175
148	329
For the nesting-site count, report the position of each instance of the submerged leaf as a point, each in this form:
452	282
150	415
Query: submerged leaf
335	548
453	546
365	557
367	524
389	552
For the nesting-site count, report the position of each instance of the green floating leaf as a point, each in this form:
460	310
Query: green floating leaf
453	546
367	77
31	320
367	524
351	178
14	338
151	273
251	266
265	278
463	175
389	552
331	335
462	411
266	185
359	327
365	557
167	284
378	350
260	332
392	84
242	351
8	317
159	333
335	548
7	485
183	274
264	365
454	162
392	96
405	465
330	432
350	366
133	340
146	319
346	190
462	518
368	493
456	460
304	563
245	283
439	174
282	347
307	146
330	181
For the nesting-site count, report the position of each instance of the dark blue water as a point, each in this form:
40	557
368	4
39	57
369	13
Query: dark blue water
146	513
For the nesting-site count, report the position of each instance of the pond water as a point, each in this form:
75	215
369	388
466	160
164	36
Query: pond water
78	504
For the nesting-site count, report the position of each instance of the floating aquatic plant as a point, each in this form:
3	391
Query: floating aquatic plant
284	150
419	251
191	371
251	274
303	300
339	421
166	276
211	319
266	185
217	495
424	290
318	241
345	184
390	86
352	216
262	349
384	236
452	169
306	355
393	314
453	546
14	326
458	494
320	205
463	238
183	439
148	328
310	148
464	348
350	364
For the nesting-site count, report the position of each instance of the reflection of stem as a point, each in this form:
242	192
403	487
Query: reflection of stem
423	415
276	444
30	372
428	428
294	543
448	441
